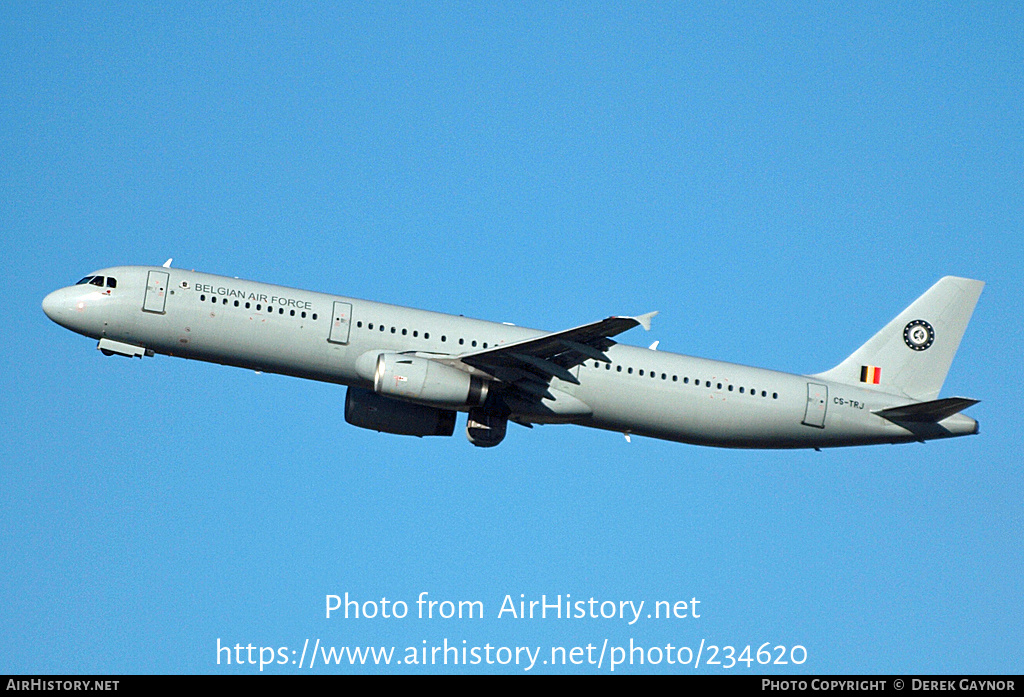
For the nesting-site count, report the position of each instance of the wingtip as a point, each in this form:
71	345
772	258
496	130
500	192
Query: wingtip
645	320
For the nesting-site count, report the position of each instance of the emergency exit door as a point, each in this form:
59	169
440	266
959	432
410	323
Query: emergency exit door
341	323
817	403
156	292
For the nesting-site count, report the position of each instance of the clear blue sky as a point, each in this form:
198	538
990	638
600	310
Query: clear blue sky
779	181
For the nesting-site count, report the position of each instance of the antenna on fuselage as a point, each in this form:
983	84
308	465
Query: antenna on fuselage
167	264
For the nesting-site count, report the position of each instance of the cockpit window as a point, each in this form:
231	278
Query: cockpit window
84	281
97	281
111	282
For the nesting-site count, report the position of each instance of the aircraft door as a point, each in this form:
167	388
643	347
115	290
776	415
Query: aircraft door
156	292
817	404
341	323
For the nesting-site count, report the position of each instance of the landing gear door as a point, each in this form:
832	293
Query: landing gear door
156	292
341	323
817	403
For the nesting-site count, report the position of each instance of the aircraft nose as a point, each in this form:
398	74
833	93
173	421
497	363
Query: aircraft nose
51	305
80	309
59	306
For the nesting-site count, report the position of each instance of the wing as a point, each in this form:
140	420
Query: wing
530	364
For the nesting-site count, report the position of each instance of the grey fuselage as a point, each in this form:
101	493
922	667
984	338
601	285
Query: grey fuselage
641	391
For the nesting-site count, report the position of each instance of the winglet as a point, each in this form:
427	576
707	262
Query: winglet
645	320
167	264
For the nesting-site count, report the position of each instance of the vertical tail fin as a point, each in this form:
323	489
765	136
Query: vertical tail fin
912	354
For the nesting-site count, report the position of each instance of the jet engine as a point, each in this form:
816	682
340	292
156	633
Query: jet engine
365	409
423	380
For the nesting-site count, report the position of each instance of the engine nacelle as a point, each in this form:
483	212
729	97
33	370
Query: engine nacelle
368	410
423	380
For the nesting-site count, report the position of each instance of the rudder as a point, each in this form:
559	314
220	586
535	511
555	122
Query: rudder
912	354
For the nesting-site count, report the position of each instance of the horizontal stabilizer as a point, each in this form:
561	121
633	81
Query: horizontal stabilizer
927	412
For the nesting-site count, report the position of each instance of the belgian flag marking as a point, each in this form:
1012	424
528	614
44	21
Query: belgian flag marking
870	374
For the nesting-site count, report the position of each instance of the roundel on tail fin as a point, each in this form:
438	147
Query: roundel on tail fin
918	335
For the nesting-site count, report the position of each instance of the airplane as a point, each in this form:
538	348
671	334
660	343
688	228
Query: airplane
409	372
